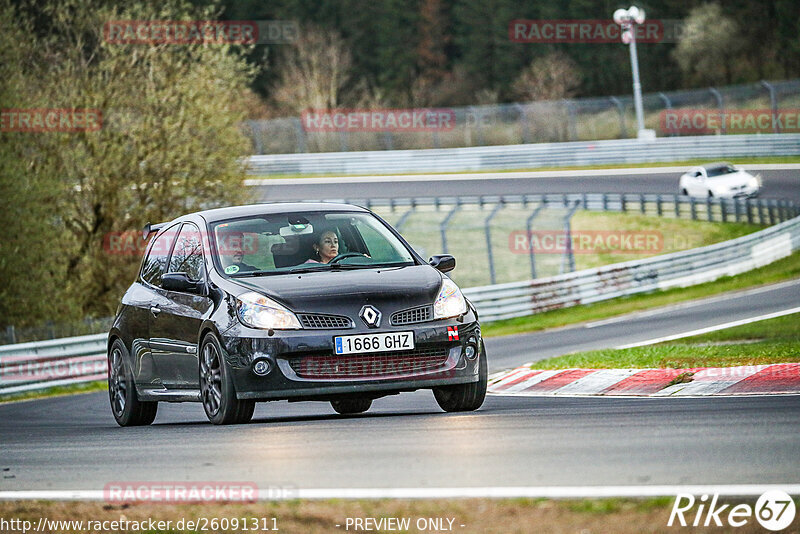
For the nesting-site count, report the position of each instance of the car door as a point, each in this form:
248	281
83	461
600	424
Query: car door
699	188
145	365
177	317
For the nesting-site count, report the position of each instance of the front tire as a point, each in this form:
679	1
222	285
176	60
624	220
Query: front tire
217	392
465	397
126	407
351	406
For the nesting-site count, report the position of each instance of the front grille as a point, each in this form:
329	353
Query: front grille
419	314
381	364
318	321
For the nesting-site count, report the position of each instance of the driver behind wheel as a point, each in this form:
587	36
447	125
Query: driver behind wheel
326	247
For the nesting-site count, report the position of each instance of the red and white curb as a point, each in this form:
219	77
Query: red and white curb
781	378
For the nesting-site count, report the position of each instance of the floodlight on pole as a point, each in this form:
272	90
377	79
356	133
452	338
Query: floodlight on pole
628	19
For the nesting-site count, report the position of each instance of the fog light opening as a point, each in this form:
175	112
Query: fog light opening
262	367
470	352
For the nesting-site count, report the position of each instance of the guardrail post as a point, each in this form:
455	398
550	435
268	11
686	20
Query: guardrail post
771	211
748	206
723	204
760	212
571	131
693	208
737	206
478	130
300	136
720	105
437	143
709	210
525	132
623	130
568	259
258	147
11	334
642	204
623	204
343	142
445	222
388	141
529	228
773	104
667	105
659	207
403	218
677	206
488	231
605	202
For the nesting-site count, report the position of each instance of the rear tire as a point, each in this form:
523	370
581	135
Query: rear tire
465	397
126	407
217	392
351	406
684	192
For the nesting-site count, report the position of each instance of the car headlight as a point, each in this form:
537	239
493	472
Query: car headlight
258	311
753	182
449	302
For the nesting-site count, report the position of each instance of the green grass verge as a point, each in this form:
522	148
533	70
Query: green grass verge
687	163
784	269
763	342
88	387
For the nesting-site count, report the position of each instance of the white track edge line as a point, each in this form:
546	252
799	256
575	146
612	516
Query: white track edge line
708	329
553	492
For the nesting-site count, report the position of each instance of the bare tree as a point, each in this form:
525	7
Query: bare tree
708	46
552	77
314	71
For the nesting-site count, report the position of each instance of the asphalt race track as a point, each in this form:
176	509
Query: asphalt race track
72	443
778	184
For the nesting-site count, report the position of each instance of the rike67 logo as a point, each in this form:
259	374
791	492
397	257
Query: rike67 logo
774	510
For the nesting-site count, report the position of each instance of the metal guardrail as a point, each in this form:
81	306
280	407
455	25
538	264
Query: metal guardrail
679	269
552	121
55	362
45	364
485	158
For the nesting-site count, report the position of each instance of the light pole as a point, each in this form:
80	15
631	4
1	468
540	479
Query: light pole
629	19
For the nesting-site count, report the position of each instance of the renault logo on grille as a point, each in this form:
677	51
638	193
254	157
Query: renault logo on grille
371	316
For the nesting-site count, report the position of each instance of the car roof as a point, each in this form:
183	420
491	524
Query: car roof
717	165
231	212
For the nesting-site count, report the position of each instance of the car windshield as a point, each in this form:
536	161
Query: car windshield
720	170
305	241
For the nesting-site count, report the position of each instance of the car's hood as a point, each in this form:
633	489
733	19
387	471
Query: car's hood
727	181
346	291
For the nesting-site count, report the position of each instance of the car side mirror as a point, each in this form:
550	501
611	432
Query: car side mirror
181	282
443	262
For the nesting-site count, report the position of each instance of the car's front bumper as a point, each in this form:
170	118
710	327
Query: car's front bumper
304	366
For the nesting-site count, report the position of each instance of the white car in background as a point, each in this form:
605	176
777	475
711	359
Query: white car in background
721	180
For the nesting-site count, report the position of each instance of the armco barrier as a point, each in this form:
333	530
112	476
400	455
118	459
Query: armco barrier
39	365
485	158
55	362
679	269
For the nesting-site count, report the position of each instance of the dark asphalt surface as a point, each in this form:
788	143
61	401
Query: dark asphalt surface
510	351
406	441
783	184
73	443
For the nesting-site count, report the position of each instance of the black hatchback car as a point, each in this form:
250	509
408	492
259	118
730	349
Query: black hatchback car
323	302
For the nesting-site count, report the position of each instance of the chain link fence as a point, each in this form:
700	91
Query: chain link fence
534	122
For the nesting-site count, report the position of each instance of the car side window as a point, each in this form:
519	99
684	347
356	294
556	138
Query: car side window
187	255
155	264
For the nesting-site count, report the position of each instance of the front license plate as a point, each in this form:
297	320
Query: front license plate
374	342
